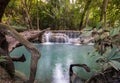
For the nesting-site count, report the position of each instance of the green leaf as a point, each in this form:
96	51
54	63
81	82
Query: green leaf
113	54
99	24
88	28
115	64
2	58
115	31
116	57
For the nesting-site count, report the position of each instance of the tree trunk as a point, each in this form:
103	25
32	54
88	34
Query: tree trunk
87	18
4	46
84	12
35	55
103	12
3	4
38	23
8	64
28	19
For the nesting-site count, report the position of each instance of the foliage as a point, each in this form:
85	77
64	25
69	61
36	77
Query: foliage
115	31
2	58
61	14
112	58
108	47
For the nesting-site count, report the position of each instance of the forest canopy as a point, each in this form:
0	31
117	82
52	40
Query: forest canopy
63	14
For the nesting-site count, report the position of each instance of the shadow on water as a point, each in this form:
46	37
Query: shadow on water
53	66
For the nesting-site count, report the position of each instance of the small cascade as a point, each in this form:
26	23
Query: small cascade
64	37
47	36
60	38
50	37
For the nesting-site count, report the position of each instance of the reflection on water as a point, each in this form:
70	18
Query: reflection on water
53	66
59	75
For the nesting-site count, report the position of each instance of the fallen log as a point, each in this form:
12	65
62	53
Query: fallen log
28	35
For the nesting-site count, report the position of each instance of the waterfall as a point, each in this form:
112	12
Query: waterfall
47	36
68	38
65	37
50	37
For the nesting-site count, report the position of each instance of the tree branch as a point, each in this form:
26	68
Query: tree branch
35	55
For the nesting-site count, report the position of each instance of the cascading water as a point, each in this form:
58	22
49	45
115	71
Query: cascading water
66	38
47	36
50	37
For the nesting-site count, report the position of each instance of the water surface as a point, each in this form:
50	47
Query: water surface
53	66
